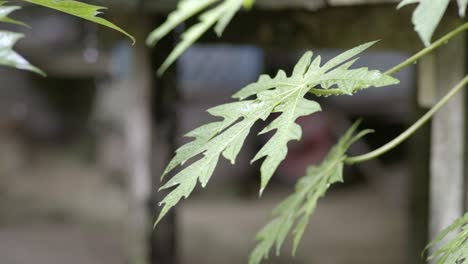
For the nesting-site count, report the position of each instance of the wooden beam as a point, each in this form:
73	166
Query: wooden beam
448	139
165	122
334	27
131	78
164	6
274	28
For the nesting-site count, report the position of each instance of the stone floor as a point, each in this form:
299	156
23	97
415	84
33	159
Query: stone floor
64	213
351	227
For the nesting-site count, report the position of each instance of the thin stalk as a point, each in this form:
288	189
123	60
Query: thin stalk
410	131
405	135
442	41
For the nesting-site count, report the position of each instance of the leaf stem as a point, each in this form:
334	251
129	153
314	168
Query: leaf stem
410	131
442	41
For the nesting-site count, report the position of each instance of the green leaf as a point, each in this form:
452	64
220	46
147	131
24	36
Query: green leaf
428	15
462	7
219	16
5	11
8	57
299	206
185	10
283	95
455	251
82	10
230	8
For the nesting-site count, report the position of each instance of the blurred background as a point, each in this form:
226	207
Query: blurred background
81	151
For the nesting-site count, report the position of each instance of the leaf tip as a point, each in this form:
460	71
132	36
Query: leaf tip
219	32
372	43
161	71
40	72
260	192
157	222
294	250
151	42
462	11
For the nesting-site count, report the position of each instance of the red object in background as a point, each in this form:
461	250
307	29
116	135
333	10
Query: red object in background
310	150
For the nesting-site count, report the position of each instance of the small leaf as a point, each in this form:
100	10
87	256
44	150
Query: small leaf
219	16
5	11
428	15
454	251
185	10
299	206
82	10
8	57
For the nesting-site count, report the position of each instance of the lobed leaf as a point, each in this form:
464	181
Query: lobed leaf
185	10
454	251
428	15
8	57
297	208
284	95
219	16
5	11
82	10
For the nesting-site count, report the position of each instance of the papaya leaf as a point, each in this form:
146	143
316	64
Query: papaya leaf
82	10
294	212
428	15
5	11
185	10
454	251
218	17
282	95
8	57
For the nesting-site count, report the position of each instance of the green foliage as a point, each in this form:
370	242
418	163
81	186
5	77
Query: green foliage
80	9
462	7
8	57
299	206
218	16
5	11
280	95
185	10
456	250
428	15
